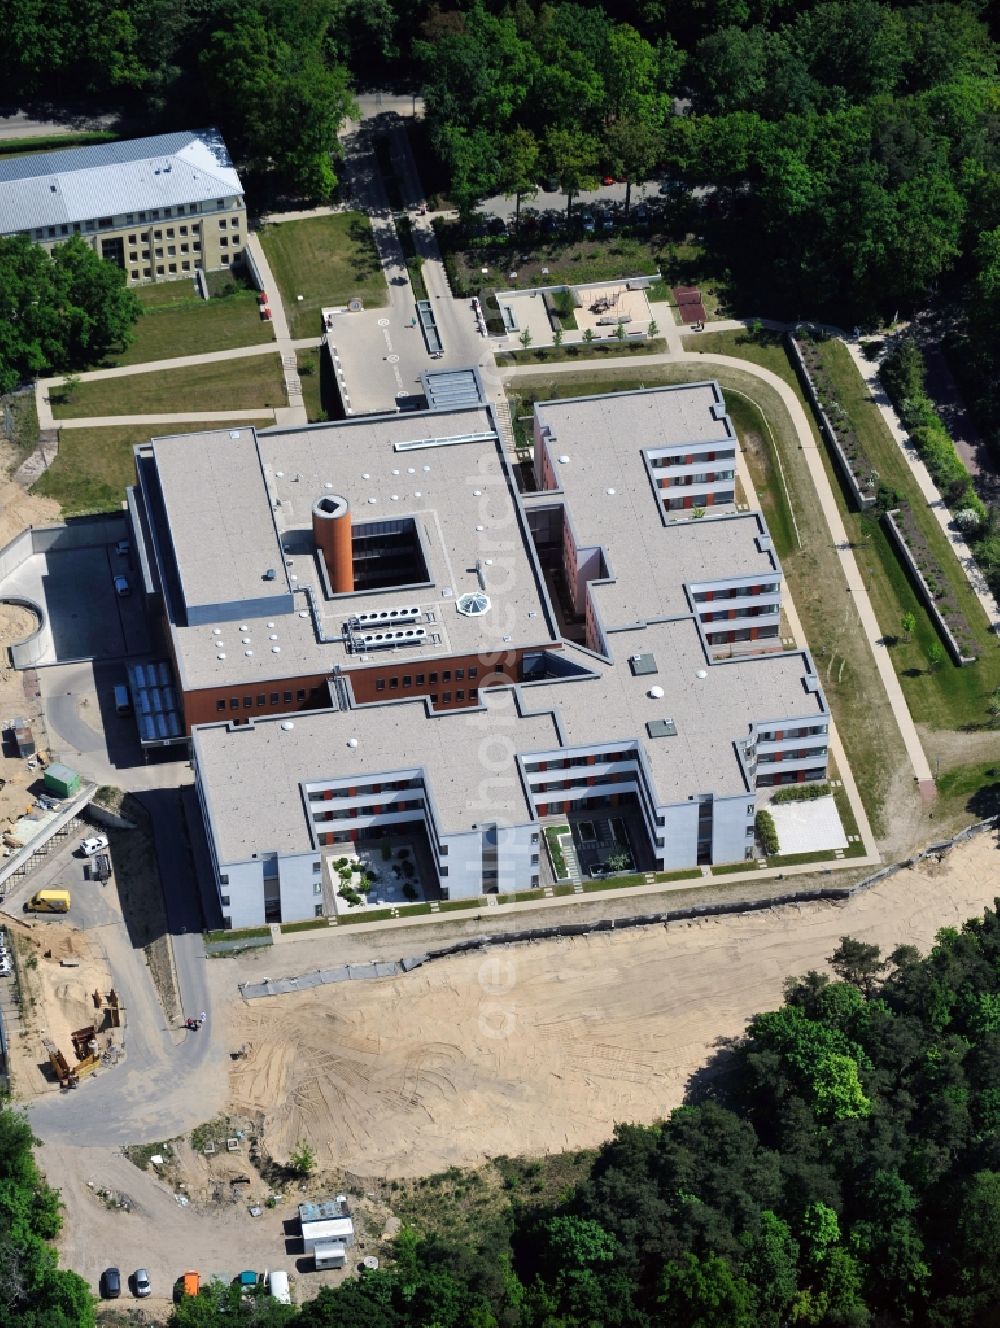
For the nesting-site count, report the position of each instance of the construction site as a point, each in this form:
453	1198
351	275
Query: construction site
538	1048
65	1020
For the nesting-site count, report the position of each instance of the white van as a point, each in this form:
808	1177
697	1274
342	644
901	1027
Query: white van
277	1283
123	701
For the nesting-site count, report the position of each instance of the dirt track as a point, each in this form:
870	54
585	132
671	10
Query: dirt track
544	1047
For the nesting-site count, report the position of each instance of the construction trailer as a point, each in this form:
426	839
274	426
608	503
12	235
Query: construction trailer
327	1231
330	1254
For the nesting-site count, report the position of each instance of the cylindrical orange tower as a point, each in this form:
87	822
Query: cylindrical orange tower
331	521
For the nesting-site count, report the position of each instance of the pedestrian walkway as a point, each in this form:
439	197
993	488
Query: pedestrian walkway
868	370
838	534
183	417
295	412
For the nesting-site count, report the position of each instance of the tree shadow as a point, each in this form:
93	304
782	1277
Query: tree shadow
709	1082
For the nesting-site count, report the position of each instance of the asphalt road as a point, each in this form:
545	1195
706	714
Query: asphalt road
171	1079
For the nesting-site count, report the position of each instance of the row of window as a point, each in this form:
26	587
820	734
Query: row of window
130	219
734	592
193	247
409	680
276	698
688	459
161	269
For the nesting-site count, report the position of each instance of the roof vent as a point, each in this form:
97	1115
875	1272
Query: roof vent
701	674
352	742
270	574
812	682
642	664
656	693
564	460
661	728
287	725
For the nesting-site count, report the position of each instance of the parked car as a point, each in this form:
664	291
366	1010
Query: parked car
6	966
111	1284
141	1283
123	548
587	223
122	586
93	844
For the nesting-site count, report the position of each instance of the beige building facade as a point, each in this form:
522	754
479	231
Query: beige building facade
160	208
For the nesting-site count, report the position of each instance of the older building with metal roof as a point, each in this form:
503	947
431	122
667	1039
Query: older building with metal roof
159	207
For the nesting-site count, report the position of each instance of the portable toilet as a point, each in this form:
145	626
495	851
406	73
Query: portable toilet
61	780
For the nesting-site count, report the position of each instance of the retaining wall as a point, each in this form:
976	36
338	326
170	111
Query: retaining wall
926	594
864	501
380	969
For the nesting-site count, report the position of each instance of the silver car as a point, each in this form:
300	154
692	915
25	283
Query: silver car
141	1283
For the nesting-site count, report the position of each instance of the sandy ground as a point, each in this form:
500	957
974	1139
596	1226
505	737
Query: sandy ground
56	1000
544	1047
218	1238
17	690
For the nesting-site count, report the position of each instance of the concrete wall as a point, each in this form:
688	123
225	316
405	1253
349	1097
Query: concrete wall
245	893
729	828
464	861
680	835
81	534
298	879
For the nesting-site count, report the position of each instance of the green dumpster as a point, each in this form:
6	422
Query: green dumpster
61	781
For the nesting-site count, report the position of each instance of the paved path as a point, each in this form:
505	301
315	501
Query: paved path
838	534
44	386
869	373
184	417
295	412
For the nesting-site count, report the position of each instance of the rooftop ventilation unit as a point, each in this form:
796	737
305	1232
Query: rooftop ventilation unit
386	617
393	636
812	683
661	728
642	664
719	410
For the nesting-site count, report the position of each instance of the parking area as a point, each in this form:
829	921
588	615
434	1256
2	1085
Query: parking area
85	617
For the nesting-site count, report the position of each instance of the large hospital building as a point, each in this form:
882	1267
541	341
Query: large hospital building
370	629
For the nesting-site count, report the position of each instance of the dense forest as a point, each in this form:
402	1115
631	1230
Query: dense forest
34	1291
839	1166
847	149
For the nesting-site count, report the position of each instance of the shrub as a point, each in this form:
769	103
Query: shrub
767	833
801	793
409	890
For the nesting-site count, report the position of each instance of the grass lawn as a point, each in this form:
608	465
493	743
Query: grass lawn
176	321
311	367
969	788
553	262
949	697
95	465
687	265
326	260
854	692
245	384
